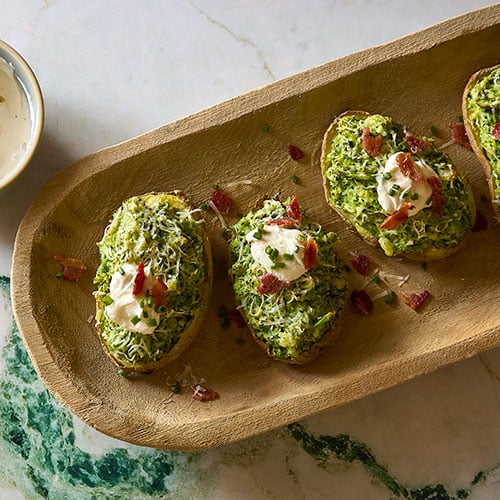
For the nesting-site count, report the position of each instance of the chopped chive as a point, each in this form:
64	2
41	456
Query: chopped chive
226	234
142	303
266	127
123	373
434	131
121	271
145	313
394	189
257	235
278	265
215	186
414	196
60	275
387	176
151	322
272	252
460	118
204	205
160	309
149	300
176	387
389	297
288	256
377	279
324	319
107	300
295	179
135	320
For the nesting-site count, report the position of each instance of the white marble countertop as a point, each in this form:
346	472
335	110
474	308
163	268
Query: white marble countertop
112	70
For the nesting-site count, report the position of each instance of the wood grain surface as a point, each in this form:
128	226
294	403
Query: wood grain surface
418	80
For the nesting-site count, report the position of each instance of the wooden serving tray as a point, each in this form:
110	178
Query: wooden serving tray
419	81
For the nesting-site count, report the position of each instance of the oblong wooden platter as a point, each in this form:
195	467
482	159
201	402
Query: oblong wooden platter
241	145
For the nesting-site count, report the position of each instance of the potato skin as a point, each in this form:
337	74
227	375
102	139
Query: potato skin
320	308
475	140
429	254
193	327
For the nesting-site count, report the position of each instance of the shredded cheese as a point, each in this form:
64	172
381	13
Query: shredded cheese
223	222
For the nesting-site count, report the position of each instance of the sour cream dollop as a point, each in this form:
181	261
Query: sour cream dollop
126	309
290	245
394	188
15	119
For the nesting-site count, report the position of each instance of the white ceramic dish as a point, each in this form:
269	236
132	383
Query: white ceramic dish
22	116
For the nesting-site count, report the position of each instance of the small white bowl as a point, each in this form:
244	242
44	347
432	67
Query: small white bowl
21	115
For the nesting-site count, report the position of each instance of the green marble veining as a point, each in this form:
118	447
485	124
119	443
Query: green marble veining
342	447
37	434
41	456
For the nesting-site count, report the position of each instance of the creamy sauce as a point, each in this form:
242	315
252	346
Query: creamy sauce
126	306
15	121
289	243
394	188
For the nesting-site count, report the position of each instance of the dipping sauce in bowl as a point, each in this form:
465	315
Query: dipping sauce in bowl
21	114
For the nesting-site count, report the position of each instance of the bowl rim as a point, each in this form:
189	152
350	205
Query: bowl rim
25	75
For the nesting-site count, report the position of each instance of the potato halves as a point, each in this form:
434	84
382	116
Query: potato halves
153	282
398	191
288	281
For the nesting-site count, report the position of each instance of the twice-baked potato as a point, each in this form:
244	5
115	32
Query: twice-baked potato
397	190
290	286
154	281
481	112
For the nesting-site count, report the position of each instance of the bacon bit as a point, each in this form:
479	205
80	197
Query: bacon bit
159	292
139	280
222	201
408	168
73	269
293	210
415	300
459	135
398	217
285	222
496	131
235	315
372	145
415	143
362	301
310	253
295	152
203	394
361	264
269	283
480	224
437	196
